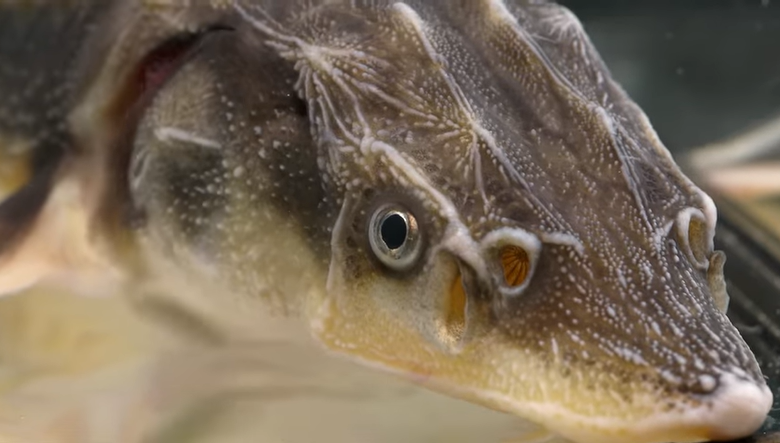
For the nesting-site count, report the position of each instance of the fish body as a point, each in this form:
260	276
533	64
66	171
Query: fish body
451	201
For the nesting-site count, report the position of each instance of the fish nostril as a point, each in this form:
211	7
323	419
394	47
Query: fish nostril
516	264
695	236
511	254
698	240
455	313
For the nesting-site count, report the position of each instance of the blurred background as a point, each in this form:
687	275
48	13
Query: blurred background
702	70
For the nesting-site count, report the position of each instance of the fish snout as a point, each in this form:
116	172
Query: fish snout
736	407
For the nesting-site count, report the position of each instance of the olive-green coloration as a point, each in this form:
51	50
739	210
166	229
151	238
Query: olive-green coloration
308	205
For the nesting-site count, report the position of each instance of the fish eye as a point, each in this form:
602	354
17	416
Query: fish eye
395	238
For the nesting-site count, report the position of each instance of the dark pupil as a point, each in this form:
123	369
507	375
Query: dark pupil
394	231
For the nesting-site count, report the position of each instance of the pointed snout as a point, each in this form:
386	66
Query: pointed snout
737	408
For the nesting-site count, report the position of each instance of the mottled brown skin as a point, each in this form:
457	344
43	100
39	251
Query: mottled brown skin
286	124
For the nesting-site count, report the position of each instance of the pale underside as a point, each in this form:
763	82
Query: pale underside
85	371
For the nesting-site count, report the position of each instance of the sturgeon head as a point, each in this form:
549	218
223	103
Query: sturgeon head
455	191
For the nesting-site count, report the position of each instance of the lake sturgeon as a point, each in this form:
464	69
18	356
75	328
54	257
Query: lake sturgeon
383	221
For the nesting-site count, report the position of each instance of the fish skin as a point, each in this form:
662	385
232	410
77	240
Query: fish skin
241	190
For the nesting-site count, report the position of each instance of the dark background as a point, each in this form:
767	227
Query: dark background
701	69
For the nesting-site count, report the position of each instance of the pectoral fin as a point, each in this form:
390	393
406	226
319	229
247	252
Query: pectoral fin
47	235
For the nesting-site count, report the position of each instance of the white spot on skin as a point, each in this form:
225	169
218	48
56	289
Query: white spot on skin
708	382
621	278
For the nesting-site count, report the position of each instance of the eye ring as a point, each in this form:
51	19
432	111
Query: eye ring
395	238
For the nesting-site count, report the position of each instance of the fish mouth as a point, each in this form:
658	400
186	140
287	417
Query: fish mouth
736	409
